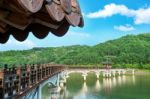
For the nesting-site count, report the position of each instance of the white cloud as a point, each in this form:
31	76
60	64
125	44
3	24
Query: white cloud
77	34
110	10
26	43
124	28
12	44
140	16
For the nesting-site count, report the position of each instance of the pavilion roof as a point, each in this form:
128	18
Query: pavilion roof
19	17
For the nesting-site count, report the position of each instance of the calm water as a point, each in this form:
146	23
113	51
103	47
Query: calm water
121	87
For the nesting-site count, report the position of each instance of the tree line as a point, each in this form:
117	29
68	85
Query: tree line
131	51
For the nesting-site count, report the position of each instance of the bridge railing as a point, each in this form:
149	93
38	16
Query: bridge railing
16	82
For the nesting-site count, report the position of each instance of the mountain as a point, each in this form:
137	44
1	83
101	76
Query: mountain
128	51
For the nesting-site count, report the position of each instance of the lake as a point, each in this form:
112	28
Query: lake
119	87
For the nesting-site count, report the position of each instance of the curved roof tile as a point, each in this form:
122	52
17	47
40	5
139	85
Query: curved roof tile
19	17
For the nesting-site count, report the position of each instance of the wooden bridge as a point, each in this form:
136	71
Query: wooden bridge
25	82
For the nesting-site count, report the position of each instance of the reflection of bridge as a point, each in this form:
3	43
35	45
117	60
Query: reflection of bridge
27	82
98	72
104	84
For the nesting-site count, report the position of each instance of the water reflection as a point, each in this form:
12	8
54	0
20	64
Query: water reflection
119	80
84	88
114	81
133	79
82	93
54	92
76	89
64	93
97	85
124	79
107	84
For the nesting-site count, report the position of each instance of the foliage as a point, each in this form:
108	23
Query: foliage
131	51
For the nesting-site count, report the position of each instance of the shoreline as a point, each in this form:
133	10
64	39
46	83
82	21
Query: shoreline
142	72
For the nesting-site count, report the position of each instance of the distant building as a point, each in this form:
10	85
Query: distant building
107	65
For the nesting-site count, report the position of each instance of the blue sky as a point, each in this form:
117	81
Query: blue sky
104	20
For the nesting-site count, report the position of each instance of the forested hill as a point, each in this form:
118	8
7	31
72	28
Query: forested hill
128	51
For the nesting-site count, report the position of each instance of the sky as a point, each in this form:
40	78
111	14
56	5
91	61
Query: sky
104	20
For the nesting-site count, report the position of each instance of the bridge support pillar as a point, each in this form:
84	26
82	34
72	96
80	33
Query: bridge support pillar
133	72
109	74
119	73
105	73
65	80
39	95
114	73
84	76
63	77
67	76
62	83
97	75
